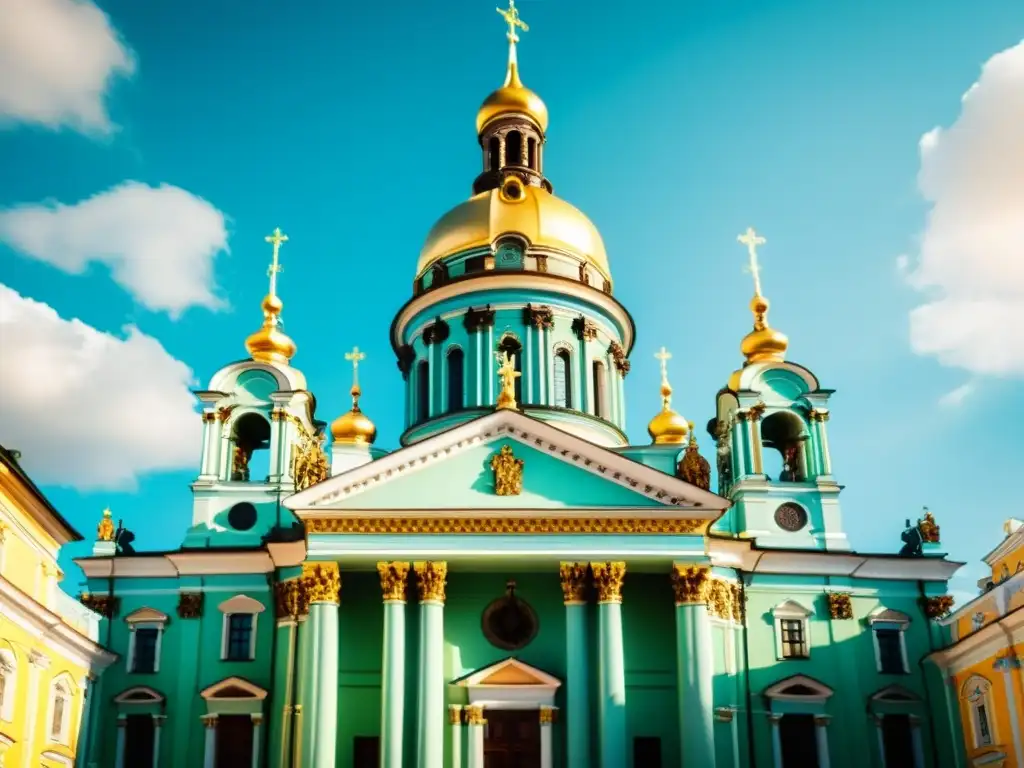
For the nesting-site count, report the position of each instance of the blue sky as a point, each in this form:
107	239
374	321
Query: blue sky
890	260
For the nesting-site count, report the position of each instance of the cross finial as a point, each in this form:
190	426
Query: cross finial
354	357
511	17
275	238
663	356
751	239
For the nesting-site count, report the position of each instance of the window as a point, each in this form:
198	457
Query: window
455	379
600	395
493	154
975	693
794	641
984	730
238	641
8	681
146	627
145	649
890	651
531	153
239	636
422	391
792	637
59	719
563	386
514	148
250	435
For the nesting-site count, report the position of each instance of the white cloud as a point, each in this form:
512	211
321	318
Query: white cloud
159	242
57	59
971	262
956	397
88	409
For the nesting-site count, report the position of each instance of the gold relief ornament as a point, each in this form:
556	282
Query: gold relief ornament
474	715
929	528
548	715
839	605
508	374
455	715
719	595
321	583
608	579
937	607
309	465
508	472
574	582
105	530
431	578
393	580
619	526
105	605
190	605
738	598
690	584
290	599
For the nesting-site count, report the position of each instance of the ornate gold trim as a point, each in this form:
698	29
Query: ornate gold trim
430	580
454	714
321	583
690	583
393	578
574	582
608	579
839	605
506	525
474	715
547	715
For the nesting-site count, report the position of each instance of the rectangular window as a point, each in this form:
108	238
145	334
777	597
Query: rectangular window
794	639
144	659
984	732
647	752
239	637
890	651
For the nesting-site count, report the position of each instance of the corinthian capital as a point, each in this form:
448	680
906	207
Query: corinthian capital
608	578
430	580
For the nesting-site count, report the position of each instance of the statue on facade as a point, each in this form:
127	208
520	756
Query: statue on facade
105	529
912	541
309	466
508	374
240	464
508	472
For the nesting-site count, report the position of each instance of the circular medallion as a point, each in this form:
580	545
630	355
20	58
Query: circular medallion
790	517
509	622
242	516
513	190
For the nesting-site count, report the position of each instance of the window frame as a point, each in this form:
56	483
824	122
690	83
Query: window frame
145	618
976	692
9	691
791	610
61	684
889	620
235	606
564	355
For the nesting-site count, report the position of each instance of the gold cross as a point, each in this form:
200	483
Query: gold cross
354	357
751	239
663	356
511	17
275	238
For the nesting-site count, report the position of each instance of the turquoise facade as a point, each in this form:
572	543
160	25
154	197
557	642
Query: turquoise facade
518	580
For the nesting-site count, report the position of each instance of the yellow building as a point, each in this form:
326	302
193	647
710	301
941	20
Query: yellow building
48	641
983	664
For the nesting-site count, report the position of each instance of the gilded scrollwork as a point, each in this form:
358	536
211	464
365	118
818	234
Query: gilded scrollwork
506	525
840	606
393	580
105	605
190	605
508	472
474	715
431	578
574	582
309	462
608	580
321	583
937	607
690	584
290	599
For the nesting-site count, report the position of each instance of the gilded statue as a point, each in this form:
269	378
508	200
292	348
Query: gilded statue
508	472
240	464
105	530
508	374
929	528
309	465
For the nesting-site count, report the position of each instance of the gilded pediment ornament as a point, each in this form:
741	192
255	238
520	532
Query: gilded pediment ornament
508	472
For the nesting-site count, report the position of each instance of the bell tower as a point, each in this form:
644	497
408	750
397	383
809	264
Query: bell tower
261	440
772	442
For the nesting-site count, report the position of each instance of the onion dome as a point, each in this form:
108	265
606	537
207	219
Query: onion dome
270	344
694	468
354	426
764	343
667	427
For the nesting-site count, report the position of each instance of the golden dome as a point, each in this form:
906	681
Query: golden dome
668	427
763	344
513	98
269	344
354	426
543	219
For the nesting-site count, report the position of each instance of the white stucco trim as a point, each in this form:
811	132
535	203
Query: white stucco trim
782	690
251	690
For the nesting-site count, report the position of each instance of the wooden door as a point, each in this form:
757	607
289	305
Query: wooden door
234	741
513	739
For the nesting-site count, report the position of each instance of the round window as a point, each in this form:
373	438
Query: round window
509	622
242	516
790	517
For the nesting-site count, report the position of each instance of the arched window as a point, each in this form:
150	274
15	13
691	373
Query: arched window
531	153
456	385
250	437
422	390
976	693
600	392
514	148
563	379
784	431
8	682
238	630
60	710
493	154
514	349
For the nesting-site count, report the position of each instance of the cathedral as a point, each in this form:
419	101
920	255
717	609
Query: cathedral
518	585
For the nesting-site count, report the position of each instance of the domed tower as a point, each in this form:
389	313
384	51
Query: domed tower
772	445
261	440
514	270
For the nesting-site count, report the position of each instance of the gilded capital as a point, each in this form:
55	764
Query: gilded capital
608	578
690	584
474	715
393	578
547	715
937	607
290	599
719	595
430	580
321	583
574	582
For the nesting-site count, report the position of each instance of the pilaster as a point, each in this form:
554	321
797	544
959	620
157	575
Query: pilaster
608	579
547	721
122	723
430	585
821	738
287	604
694	664
322	585
393	579
476	723
577	694
210	741
37	663
158	727
455	721
774	721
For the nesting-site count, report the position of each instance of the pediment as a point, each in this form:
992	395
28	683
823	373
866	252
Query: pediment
896	694
146	615
140	694
452	470
509	673
233	688
798	688
791	608
888	616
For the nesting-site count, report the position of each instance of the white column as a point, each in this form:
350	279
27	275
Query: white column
257	720
547	719
881	740
122	723
915	735
37	663
455	721
776	740
210	751
826	458
821	736
476	722
82	727
1007	666
158	725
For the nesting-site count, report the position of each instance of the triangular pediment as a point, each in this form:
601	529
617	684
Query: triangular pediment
140	694
453	470
509	673
798	687
895	693
146	615
888	615
233	688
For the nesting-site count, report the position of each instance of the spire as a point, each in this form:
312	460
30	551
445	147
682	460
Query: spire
667	427
511	17
513	97
269	344
354	426
763	344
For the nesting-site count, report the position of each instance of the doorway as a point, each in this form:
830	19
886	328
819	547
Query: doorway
799	741
234	740
138	742
898	742
513	739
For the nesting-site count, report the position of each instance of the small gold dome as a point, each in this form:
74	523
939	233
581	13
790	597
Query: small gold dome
668	427
354	426
270	344
513	98
763	344
542	218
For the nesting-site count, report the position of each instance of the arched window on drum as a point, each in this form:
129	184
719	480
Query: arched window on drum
456	383
562	379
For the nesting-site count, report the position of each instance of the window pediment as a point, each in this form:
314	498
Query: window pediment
509	672
798	688
241	604
139	695
888	616
233	688
791	609
895	693
147	615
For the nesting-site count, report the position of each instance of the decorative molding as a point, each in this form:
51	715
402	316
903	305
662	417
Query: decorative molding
190	605
690	584
436	333
584	329
476	320
454	714
724	599
618	354
508	472
393	579
431	577
548	715
290	599
507	525
574	582
475	715
538	317
608	580
840	606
